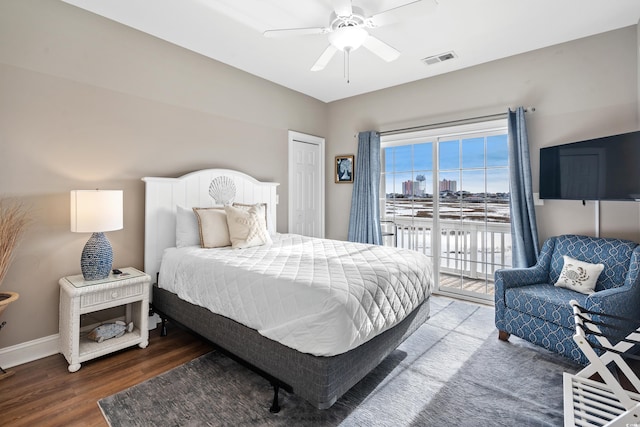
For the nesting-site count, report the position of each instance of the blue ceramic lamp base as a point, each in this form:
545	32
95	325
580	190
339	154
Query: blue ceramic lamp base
97	257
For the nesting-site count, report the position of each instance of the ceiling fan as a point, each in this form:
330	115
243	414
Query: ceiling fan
347	30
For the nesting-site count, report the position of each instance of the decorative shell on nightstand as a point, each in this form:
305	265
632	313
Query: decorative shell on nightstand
110	330
223	190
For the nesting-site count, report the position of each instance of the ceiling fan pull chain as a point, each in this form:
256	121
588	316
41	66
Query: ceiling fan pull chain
347	52
344	64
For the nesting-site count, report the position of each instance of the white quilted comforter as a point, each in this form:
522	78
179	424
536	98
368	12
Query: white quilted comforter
318	296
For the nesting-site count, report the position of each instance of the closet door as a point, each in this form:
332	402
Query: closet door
306	184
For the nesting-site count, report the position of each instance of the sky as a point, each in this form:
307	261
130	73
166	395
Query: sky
477	164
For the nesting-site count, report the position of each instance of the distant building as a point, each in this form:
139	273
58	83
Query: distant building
407	188
449	185
415	188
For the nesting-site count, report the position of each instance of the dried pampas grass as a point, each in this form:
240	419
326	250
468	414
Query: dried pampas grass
13	221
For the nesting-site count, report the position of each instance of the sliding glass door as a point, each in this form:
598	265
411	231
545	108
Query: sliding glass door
446	194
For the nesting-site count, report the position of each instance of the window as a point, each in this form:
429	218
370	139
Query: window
445	192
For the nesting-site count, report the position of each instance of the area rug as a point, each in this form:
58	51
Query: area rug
453	371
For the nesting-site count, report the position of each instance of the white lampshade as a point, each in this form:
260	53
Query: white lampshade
348	38
96	210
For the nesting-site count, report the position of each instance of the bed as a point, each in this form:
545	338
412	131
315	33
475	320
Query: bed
318	374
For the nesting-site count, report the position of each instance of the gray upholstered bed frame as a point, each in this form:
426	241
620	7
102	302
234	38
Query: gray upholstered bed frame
319	380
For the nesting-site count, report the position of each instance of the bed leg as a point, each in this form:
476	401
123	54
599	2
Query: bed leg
275	406
163	331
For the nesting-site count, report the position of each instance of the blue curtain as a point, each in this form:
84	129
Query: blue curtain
364	221
524	231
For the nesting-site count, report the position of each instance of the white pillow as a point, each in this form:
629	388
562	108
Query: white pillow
187	233
246	206
212	224
247	227
579	276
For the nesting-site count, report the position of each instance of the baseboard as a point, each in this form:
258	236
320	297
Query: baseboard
29	351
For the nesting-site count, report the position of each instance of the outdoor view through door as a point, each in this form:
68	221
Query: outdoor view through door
445	192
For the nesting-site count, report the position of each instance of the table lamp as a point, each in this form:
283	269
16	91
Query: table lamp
96	211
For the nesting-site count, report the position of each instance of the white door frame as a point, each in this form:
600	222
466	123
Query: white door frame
302	138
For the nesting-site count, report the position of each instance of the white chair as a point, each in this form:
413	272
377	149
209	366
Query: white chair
601	403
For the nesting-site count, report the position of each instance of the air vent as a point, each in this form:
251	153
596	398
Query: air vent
430	60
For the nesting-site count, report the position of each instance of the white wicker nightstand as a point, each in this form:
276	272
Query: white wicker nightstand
78	297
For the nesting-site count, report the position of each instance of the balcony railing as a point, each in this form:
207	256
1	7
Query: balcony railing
473	249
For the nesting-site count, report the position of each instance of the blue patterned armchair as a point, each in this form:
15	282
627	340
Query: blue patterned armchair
529	306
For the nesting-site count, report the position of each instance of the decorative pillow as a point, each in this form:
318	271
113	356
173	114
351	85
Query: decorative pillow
212	223
579	276
247	227
248	206
187	233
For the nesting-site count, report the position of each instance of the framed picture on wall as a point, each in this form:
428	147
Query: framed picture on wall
344	168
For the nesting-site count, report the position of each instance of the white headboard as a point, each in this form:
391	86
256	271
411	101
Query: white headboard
162	195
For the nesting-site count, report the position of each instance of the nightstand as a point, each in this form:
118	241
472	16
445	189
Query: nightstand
78	297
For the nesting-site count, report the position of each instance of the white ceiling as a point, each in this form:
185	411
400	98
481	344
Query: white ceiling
478	31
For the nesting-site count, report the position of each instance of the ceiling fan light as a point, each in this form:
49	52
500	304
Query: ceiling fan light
348	38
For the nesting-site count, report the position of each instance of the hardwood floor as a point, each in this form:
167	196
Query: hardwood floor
44	393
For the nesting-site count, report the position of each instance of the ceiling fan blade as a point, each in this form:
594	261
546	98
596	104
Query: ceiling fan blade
407	11
324	58
342	7
295	32
381	49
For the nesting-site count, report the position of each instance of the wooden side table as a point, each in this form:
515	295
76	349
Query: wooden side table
78	297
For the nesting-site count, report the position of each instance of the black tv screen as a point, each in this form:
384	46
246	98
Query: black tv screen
605	168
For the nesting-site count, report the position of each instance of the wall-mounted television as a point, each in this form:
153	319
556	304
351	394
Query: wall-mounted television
605	168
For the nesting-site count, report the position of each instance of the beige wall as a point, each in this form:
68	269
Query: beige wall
88	103
582	89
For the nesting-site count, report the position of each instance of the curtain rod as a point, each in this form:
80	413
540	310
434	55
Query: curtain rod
451	122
